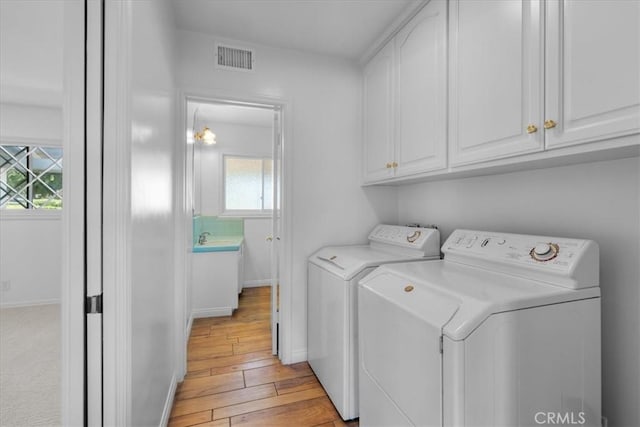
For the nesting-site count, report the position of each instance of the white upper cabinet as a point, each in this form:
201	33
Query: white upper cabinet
495	92
421	69
405	99
592	71
521	80
378	115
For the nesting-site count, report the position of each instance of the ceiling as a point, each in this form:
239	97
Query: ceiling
344	28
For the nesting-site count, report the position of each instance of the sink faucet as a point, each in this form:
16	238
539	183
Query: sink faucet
203	237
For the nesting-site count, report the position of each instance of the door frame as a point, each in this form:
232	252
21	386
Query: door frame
72	298
183	209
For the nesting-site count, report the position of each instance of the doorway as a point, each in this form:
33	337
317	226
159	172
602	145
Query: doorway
233	176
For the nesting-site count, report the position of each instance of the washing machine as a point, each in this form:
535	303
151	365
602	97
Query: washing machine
332	323
504	331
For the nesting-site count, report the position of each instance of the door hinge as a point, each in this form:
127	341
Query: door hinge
93	304
441	344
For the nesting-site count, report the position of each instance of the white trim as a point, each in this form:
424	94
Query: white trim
299	355
286	266
256	283
182	261
188	330
211	312
30	214
31	141
117	332
168	403
391	30
72	289
31	303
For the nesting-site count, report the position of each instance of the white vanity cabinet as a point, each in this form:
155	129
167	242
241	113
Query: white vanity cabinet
216	282
405	99
495	86
592	71
530	75
240	268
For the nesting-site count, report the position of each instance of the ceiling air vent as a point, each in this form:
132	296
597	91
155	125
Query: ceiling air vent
234	58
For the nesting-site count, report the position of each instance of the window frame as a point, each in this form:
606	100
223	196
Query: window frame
243	213
31	212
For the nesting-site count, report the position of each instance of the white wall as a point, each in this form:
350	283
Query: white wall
30	260
152	209
30	255
30	113
32	122
328	205
599	201
30	242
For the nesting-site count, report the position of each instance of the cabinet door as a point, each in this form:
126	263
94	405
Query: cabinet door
592	70
378	116
495	79
421	125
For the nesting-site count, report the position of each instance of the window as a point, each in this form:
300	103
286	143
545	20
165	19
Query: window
248	185
30	177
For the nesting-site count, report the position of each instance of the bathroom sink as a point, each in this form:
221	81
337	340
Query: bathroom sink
219	245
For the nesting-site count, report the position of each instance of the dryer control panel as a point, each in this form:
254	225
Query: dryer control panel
566	262
422	239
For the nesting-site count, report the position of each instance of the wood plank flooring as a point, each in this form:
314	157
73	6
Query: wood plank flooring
233	380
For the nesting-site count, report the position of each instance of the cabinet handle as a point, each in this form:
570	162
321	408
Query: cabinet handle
549	124
394	165
532	129
389	166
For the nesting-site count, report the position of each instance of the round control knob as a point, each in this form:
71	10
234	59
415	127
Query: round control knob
544	251
414	236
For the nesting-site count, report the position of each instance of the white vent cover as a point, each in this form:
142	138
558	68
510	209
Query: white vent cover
234	58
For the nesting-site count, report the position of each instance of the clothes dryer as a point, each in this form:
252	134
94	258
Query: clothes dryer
332	322
505	331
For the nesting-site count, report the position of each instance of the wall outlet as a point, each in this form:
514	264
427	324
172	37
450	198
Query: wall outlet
6	285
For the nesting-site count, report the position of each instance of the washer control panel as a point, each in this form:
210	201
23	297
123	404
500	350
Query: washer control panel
550	255
408	237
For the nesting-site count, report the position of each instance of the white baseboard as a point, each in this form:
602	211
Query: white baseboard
211	312
299	355
256	283
188	331
29	303
168	404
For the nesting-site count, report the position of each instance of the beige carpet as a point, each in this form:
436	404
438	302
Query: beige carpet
30	366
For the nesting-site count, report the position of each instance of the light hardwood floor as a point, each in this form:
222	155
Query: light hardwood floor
233	379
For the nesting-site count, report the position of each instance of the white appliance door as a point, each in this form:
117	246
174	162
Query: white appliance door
400	349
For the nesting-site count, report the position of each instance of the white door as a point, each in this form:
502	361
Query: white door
495	69
378	116
276	229
592	71
93	245
421	57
